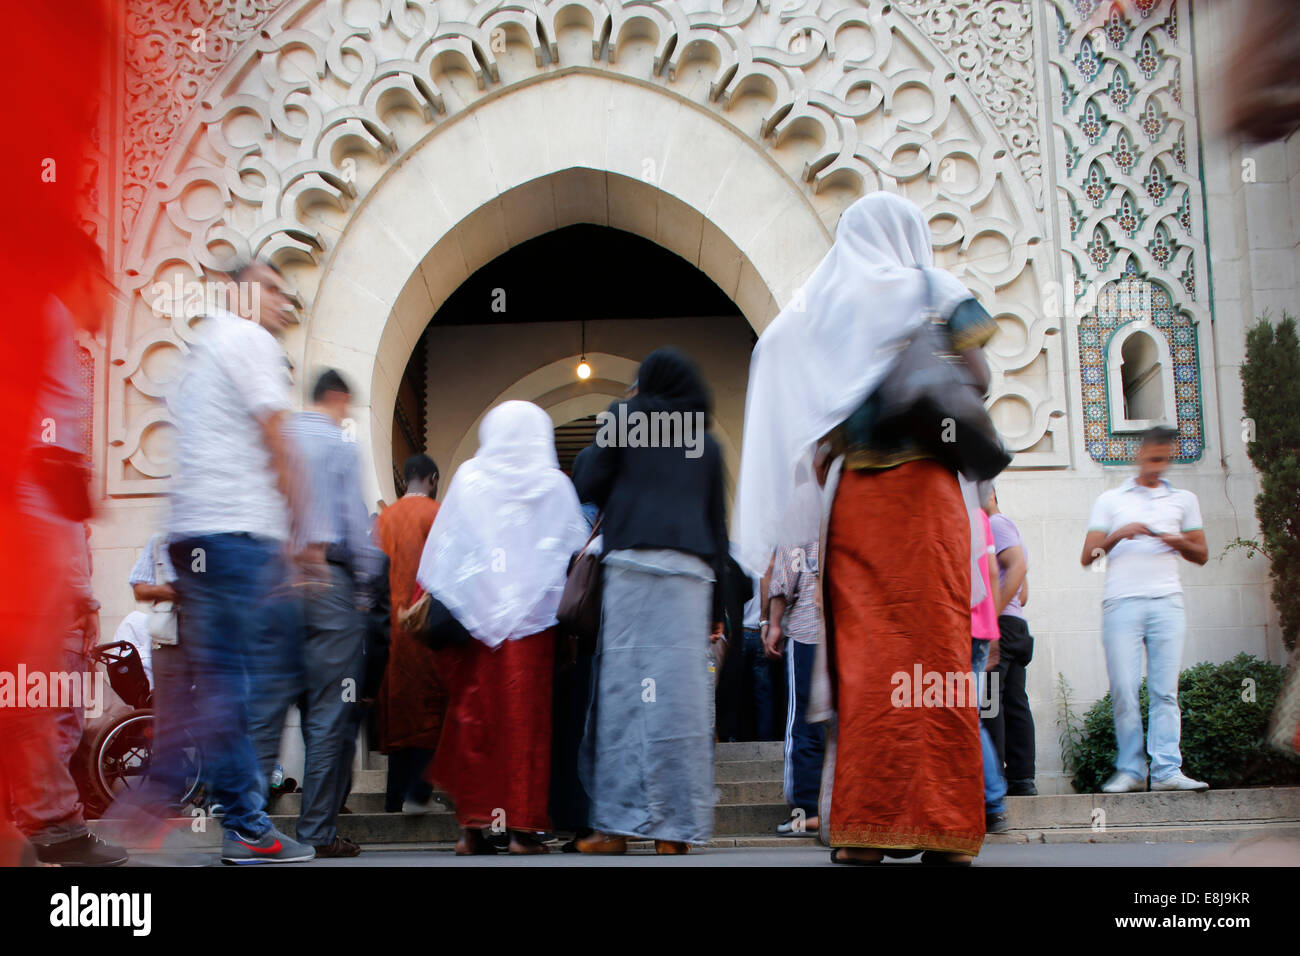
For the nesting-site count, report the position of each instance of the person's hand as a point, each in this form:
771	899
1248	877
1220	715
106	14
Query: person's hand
772	640
1131	530
715	635
995	655
88	624
165	592
310	570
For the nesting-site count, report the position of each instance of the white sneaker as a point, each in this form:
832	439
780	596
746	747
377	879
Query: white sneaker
1121	782
411	808
1179	781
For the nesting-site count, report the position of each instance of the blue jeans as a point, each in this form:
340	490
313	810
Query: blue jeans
995	785
224	582
1128	625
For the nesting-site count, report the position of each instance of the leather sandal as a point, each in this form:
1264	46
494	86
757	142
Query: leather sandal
671	848
525	844
600	843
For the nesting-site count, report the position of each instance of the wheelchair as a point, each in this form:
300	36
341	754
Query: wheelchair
116	760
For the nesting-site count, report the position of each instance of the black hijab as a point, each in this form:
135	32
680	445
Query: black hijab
669	381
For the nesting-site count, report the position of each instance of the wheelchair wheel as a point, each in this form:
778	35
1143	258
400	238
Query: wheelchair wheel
120	759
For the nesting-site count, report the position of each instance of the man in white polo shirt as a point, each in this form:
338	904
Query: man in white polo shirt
1143	527
234	493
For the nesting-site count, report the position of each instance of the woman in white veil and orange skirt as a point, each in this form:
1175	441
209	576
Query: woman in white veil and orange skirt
896	558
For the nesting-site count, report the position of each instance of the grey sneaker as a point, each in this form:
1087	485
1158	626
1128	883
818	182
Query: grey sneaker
272	847
85	850
1179	781
1121	782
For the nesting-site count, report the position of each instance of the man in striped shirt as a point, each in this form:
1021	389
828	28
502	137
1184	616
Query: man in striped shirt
793	613
317	635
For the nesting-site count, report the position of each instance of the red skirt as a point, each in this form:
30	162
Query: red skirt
494	755
908	769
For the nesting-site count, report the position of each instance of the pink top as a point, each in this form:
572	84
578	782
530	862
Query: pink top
983	616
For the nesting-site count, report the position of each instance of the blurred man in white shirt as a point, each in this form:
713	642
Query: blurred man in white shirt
1142	528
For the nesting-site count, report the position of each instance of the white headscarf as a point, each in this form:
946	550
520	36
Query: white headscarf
498	550
828	350
803	516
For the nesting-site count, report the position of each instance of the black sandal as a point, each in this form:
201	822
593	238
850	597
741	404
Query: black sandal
850	861
942	858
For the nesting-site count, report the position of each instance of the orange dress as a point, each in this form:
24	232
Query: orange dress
412	701
898	589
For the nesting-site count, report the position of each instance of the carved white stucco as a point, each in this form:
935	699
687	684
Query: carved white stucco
306	129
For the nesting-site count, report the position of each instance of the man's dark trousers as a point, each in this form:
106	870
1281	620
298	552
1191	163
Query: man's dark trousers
320	643
1012	727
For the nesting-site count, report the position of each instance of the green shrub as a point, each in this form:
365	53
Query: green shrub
1222	729
1270	382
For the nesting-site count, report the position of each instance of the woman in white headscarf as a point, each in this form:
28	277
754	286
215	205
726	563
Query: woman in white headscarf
496	556
897	554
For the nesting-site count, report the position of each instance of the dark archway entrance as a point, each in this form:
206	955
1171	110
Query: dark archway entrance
580	288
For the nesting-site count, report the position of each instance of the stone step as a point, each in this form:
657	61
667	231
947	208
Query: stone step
758	782
727	752
725	771
765	791
749	750
734	821
358	802
440	836
749	791
1203	833
750	809
1253	805
368	781
739	771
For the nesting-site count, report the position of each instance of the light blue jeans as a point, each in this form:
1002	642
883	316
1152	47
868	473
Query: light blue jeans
1128	625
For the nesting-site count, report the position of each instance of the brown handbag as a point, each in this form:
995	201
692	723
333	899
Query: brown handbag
579	610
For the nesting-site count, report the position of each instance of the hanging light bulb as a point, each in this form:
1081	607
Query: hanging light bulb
584	370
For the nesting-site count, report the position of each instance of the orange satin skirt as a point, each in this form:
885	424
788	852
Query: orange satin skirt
908	771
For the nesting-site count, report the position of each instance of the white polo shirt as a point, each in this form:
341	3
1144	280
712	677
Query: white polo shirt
1144	566
224	482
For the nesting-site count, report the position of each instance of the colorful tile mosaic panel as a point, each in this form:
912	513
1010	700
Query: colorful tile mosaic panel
1131	195
1134	299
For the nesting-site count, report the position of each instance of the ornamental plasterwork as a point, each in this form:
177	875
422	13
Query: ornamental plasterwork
992	47
1131	203
173	51
847	97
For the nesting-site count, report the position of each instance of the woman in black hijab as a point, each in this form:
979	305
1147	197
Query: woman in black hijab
647	757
